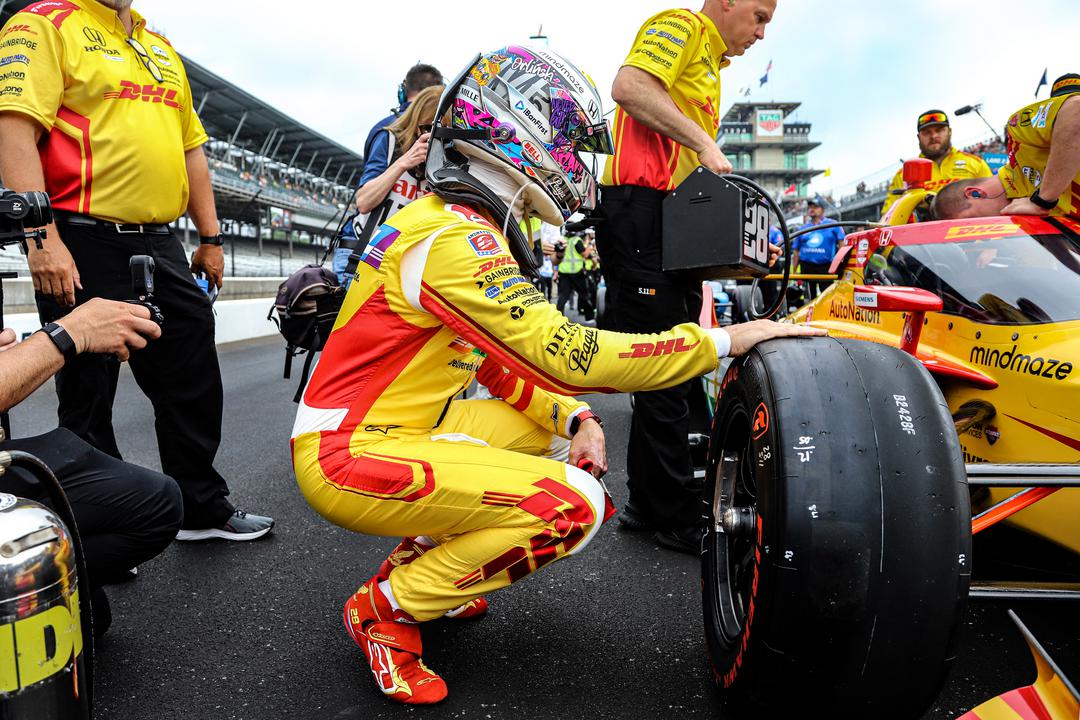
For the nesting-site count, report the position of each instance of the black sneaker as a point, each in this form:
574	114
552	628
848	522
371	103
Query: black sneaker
685	540
241	526
633	519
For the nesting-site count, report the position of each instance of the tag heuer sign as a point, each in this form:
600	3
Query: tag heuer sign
770	123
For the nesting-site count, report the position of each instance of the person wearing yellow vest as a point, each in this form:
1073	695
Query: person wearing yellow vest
572	277
668	115
1042	176
97	111
935	144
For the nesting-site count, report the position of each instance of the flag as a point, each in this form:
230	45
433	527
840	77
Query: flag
765	77
1041	83
790	189
828	172
745	91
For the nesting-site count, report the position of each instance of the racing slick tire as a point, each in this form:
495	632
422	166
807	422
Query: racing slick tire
836	558
741	300
601	307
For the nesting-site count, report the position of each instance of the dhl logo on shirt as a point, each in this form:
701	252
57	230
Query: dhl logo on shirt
146	93
19	29
664	347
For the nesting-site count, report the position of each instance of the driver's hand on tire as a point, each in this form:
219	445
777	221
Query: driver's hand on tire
746	335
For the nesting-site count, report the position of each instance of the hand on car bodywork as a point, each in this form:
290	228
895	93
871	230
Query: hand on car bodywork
589	444
746	335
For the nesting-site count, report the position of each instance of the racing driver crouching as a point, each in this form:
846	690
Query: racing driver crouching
484	492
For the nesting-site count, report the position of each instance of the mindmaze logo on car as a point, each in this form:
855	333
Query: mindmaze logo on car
1020	362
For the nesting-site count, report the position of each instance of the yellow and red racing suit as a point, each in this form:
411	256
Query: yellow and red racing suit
381	445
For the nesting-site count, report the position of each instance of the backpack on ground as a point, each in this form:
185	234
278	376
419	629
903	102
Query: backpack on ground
306	307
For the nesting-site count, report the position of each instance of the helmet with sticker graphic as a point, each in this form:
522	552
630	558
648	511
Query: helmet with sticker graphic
535	115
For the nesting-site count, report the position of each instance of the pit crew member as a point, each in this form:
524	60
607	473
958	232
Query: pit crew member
1042	176
666	124
96	110
935	143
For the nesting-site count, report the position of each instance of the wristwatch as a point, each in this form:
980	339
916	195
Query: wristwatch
575	422
61	339
218	239
1040	202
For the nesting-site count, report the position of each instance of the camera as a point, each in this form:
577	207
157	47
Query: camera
142	285
21	214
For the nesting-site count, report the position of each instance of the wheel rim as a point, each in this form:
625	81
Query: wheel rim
732	530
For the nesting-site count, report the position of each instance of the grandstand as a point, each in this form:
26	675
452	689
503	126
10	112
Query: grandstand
281	188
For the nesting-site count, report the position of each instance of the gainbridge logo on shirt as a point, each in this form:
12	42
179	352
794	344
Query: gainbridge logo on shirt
147	93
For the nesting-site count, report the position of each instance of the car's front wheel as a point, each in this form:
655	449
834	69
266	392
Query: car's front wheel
836	560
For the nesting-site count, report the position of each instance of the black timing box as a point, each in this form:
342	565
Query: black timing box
714	228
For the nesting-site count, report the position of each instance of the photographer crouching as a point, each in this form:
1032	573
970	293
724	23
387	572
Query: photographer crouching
126	514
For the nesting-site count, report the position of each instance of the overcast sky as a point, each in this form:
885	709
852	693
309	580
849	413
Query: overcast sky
863	70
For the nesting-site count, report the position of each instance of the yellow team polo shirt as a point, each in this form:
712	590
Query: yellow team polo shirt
116	137
684	50
1028	143
957	165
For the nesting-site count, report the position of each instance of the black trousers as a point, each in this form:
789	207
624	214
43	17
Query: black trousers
645	299
178	372
815	286
575	283
545	287
126	514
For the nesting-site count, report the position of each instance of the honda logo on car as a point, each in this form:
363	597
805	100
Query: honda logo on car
866	299
1020	362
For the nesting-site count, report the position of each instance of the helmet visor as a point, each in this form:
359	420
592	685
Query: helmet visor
570	125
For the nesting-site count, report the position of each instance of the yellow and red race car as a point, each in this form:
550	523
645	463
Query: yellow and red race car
1004	346
847	475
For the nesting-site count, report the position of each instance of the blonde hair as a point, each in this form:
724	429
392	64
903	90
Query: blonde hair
421	111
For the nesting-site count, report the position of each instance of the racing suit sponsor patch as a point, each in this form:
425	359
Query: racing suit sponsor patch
483	243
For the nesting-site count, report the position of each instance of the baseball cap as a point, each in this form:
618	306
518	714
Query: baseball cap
932	117
816	200
1066	84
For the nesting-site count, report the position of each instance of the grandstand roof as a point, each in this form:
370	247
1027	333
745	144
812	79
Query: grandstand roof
744	111
226	110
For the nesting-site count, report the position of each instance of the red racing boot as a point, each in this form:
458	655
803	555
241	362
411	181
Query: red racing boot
391	643
407	551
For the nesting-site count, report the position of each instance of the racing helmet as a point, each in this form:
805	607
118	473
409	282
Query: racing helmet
532	113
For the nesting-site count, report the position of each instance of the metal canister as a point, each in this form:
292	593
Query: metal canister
42	671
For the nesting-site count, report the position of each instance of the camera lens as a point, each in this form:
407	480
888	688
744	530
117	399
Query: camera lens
39	211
